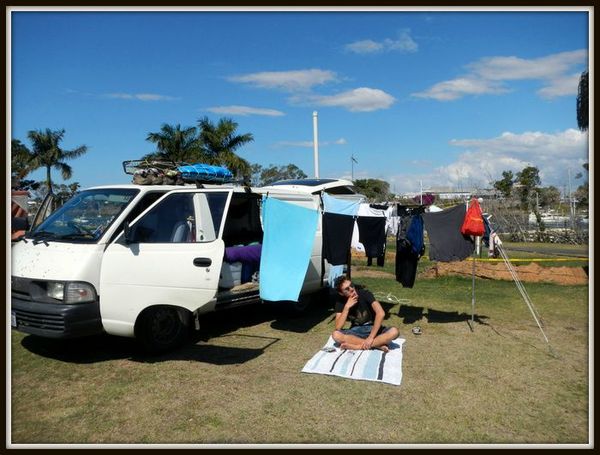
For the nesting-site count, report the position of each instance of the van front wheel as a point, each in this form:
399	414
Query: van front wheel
162	328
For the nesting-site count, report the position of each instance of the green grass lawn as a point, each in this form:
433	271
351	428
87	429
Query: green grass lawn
239	380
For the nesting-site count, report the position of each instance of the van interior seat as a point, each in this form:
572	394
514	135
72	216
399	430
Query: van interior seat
180	232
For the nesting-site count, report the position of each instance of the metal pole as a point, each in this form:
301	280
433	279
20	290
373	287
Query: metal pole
352	164
473	298
477	244
316	144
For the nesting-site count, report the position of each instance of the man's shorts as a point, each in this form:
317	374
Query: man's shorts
363	331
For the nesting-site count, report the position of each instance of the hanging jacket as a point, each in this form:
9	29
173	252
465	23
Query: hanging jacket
415	235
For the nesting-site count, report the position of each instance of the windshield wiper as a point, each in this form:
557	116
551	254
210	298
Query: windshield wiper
42	234
77	235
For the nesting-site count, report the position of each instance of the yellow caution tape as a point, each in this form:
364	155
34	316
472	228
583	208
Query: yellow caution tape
529	260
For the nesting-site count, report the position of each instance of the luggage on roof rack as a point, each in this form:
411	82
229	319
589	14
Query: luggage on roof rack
153	172
205	173
160	172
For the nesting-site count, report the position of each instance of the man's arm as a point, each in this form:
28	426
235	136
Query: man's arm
340	318
379	315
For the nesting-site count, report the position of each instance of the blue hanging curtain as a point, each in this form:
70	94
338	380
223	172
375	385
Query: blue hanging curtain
289	234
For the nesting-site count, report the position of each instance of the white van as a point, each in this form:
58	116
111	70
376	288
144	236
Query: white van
144	261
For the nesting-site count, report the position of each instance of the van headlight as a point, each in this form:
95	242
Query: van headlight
71	292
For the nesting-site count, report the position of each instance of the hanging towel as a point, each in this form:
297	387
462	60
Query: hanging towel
337	234
371	233
341	206
446	243
289	235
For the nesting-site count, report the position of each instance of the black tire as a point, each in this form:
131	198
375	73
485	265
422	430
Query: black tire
161	329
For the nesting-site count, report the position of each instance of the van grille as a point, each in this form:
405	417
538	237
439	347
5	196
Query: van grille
54	322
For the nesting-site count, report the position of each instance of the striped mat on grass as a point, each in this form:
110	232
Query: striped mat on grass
368	365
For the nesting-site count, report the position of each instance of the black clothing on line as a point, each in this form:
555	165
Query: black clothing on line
406	263
446	242
406	259
403	210
371	233
337	237
380	260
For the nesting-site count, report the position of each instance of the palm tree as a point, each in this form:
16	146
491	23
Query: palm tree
46	153
175	144
582	102
20	161
220	143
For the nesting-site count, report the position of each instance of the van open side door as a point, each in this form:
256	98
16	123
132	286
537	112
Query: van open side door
170	256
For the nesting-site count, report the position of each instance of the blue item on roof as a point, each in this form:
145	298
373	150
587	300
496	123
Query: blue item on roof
205	173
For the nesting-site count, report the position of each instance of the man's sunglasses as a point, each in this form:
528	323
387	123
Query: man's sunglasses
347	288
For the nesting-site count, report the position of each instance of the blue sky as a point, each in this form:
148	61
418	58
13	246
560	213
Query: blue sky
447	98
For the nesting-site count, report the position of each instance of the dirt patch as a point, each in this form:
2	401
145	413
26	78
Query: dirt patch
372	274
532	273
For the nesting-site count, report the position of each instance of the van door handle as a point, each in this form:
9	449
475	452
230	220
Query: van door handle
202	262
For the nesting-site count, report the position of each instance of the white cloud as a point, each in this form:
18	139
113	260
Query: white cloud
361	99
364	47
140	96
534	144
487	76
551	153
514	68
561	86
309	144
244	110
483	160
457	88
291	81
404	43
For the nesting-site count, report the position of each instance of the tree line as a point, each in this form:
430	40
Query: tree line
209	143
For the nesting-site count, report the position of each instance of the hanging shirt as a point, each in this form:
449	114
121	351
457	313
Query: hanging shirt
446	243
371	233
337	235
289	235
365	209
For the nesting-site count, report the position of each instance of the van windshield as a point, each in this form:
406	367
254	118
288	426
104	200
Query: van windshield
86	216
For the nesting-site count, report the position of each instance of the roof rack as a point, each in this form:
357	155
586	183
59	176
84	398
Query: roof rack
131	166
151	172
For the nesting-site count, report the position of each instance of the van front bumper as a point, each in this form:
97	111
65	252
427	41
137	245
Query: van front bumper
52	320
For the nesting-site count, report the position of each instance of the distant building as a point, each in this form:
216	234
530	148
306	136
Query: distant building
452	194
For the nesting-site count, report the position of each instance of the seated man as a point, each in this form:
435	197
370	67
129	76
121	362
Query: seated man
365	315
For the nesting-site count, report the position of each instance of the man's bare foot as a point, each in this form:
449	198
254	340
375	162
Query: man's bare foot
383	348
354	347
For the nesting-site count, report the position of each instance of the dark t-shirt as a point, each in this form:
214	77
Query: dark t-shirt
362	312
